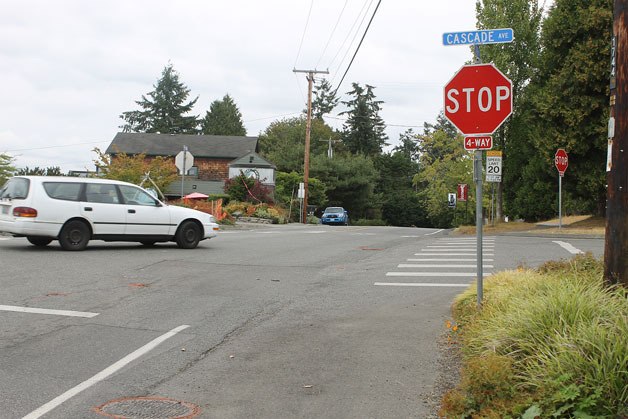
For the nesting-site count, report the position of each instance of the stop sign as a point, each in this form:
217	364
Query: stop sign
478	99
561	161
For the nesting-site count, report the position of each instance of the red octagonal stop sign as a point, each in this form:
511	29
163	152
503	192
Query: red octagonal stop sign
478	99
561	161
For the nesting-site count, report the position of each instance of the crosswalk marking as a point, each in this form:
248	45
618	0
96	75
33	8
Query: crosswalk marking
448	260
452	274
418	284
453	254
433	265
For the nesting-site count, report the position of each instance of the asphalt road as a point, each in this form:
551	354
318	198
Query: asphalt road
277	321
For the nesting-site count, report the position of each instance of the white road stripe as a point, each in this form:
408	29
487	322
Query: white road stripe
453	254
433	265
417	284
460	247
449	250
39	412
315	232
465	239
448	260
568	247
48	311
435	232
452	274
409	237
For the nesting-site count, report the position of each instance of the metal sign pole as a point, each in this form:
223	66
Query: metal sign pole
477	161
560	201
185	152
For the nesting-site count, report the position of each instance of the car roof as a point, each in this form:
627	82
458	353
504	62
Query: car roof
71	179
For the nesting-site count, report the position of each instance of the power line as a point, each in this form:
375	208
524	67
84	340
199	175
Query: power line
365	9
307	22
54	146
359	45
332	33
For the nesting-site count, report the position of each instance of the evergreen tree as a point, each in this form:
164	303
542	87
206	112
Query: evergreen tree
325	99
517	59
223	118
364	129
164	109
40	171
6	167
408	145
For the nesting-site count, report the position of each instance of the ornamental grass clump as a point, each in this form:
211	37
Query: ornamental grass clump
565	338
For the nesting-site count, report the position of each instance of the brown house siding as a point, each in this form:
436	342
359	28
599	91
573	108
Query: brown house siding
212	169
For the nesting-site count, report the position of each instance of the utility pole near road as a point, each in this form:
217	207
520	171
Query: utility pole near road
308	128
616	240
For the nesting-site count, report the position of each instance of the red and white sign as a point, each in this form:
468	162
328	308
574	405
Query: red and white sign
561	161
463	191
478	99
478	143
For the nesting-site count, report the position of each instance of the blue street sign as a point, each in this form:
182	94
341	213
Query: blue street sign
488	36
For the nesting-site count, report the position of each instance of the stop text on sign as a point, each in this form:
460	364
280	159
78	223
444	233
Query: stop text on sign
483	98
478	143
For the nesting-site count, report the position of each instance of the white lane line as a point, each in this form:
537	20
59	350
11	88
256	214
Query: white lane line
467	242
434	265
450	250
447	260
453	254
568	247
315	232
465	239
48	311
435	232
409	237
57	401
446	274
418	284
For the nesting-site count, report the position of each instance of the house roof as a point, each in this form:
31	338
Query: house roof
252	160
212	146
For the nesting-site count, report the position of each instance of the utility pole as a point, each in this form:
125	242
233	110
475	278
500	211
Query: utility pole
308	128
616	240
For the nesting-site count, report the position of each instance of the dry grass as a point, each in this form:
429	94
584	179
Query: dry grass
574	224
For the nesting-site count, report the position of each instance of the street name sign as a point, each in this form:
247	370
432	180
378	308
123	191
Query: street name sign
484	142
493	166
478	99
488	36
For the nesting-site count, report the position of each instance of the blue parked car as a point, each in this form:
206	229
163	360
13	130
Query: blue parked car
335	215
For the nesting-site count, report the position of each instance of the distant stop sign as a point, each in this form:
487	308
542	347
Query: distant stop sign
561	161
478	99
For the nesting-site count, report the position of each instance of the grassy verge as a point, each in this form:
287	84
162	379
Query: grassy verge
551	342
570	225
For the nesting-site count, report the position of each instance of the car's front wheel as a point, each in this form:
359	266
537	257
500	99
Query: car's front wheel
39	241
188	235
74	235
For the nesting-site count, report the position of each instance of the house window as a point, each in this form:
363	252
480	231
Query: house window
193	171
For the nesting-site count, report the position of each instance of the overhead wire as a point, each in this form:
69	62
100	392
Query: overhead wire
364	10
359	45
307	22
332	34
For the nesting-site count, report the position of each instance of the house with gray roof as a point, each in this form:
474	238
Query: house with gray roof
216	158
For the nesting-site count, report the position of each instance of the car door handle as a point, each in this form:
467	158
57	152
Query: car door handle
88	208
131	211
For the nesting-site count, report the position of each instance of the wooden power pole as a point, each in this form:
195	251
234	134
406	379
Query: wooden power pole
308	128
616	241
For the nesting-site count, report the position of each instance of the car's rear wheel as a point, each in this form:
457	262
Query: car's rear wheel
74	235
39	241
188	235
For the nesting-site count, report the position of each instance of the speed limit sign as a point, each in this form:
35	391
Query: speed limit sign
493	166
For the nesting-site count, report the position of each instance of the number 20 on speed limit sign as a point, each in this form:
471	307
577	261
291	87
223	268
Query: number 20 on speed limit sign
493	166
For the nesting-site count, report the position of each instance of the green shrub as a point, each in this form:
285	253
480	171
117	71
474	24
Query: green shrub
564	332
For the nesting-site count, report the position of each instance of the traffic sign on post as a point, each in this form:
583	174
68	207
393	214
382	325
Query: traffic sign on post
463	192
478	99
494	166
561	161
484	142
184	161
487	36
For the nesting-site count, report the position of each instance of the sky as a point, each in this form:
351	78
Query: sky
69	68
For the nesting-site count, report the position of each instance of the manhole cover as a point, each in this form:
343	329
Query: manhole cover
148	408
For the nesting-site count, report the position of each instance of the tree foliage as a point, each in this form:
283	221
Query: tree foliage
283	142
39	171
223	118
132	169
165	108
247	189
325	100
287	185
364	130
6	167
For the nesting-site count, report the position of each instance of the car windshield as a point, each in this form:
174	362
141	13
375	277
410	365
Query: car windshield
334	210
15	188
